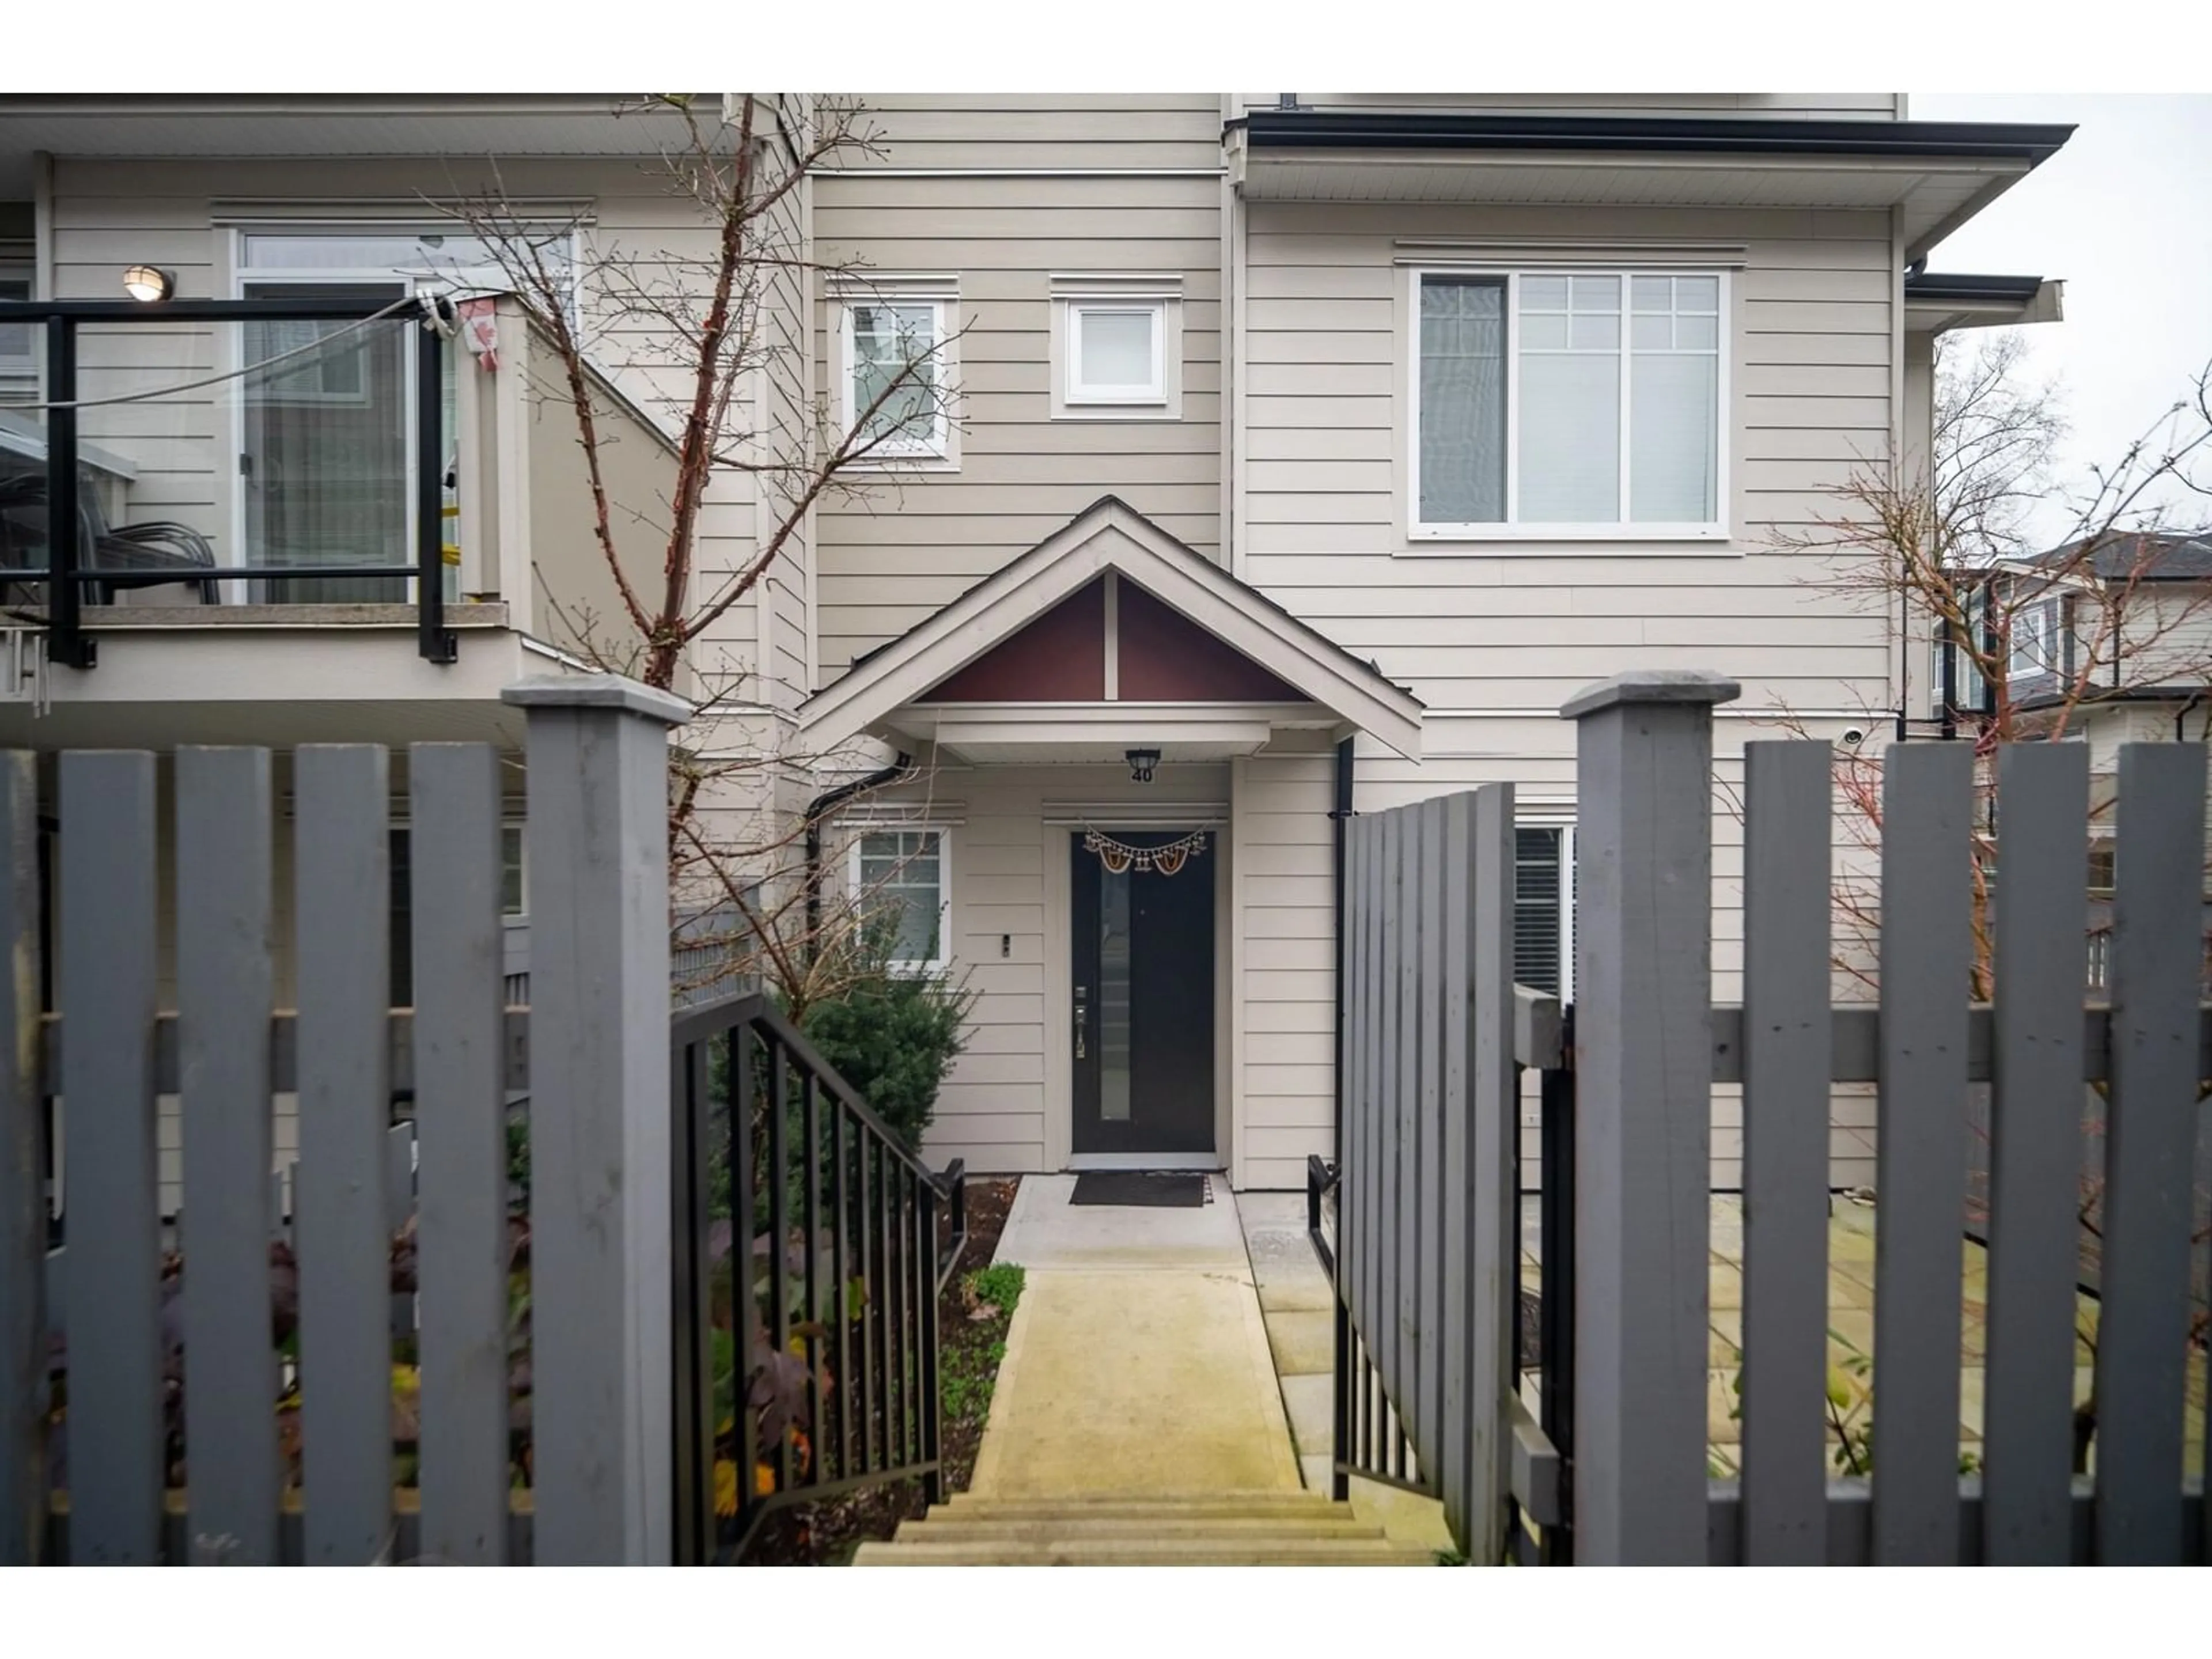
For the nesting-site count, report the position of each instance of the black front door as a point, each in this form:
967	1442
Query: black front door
1144	1002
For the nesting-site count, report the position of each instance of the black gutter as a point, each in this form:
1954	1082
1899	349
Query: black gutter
819	808
1687	135
1971	291
1340	825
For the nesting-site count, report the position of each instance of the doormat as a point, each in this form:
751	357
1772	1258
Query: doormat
1132	1190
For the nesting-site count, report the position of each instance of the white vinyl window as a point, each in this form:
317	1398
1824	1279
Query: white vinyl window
907	869
893	377
18	351
2038	640
1569	404
1117	352
1544	908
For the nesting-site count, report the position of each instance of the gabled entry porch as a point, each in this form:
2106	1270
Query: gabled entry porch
1126	765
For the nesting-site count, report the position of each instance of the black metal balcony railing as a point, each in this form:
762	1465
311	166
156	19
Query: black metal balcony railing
98	559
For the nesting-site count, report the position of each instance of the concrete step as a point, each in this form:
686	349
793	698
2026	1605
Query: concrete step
1133	1527
1081	1552
1214	1529
1293	1505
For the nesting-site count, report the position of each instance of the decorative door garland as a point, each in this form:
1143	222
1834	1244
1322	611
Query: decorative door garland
1119	856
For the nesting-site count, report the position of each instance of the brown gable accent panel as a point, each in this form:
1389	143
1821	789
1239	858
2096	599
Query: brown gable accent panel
1167	658
1058	658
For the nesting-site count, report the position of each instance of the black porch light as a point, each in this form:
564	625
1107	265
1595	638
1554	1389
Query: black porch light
148	284
1141	762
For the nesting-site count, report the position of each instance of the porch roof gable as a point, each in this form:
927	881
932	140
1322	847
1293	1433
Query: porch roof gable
1109	535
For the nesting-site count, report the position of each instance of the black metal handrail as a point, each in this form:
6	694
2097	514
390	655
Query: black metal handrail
806	1314
1370	1438
1553	1361
67	641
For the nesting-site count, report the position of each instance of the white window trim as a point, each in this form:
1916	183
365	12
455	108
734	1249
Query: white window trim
1116	291
940	451
517	822
1154	393
861	830
2036	645
1509	530
1565	826
23	364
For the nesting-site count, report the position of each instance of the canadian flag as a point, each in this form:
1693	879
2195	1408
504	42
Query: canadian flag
480	324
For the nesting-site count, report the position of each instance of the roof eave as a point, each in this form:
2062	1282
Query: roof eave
1938	303
2032	144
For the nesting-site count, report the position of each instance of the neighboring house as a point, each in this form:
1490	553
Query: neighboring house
2105	641
1307	450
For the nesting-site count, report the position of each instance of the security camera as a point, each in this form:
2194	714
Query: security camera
1854	736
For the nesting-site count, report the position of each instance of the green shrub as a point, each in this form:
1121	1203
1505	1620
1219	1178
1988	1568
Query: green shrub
891	1034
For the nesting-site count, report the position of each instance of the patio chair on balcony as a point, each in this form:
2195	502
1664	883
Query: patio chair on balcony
160	546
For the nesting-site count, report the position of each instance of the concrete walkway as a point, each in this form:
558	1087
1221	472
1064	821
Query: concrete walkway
1138	1363
1170	1352
1297	1303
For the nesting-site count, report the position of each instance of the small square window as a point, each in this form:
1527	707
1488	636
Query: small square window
1117	353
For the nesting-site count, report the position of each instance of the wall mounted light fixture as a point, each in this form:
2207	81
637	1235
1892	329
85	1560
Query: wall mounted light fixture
148	284
1141	764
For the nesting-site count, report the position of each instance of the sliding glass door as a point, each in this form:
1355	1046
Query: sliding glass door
325	459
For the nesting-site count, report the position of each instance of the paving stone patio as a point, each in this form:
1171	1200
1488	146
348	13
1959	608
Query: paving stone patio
1851	1325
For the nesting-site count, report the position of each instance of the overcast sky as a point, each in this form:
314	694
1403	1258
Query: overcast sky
2124	214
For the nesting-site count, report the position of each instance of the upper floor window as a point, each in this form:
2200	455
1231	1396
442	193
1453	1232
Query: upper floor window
2039	644
1116	346
1564	404
895	382
1117	353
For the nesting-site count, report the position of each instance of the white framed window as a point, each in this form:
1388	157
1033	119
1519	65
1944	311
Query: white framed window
513	870
1116	346
908	868
1117	351
19	350
896	376
1544	908
1569	405
18	342
2037	642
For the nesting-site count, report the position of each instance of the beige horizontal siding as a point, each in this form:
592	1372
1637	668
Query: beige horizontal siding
917	539
1285	1049
1010	131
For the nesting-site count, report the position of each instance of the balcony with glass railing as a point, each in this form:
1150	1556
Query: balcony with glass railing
313	463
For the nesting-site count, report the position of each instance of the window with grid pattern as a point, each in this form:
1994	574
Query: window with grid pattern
1576	401
905	870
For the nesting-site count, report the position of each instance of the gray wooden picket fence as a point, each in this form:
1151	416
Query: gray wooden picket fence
1427	1212
595	1040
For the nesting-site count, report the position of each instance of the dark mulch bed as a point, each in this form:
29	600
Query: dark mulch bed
827	1534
